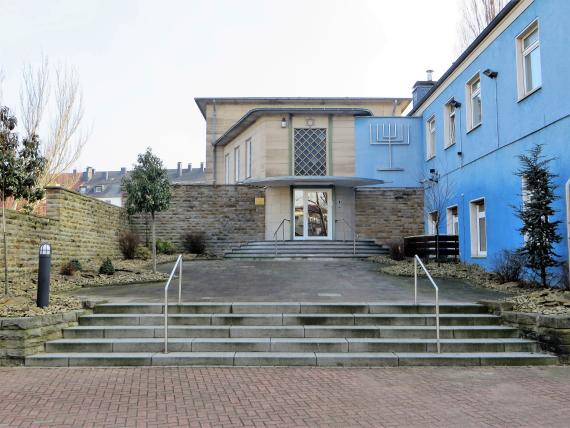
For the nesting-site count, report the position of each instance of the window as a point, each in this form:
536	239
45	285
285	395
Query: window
227	168
82	189
310	151
528	54
248	158
478	229
452	221
430	138
432	223
474	102
98	189
237	164
450	124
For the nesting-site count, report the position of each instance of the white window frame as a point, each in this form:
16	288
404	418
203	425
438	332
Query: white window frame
452	220
227	164
432	222
430	137
522	53
476	215
237	169
450	117
248	158
470	96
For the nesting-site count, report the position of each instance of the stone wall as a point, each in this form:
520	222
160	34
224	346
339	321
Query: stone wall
385	214
226	214
552	332
26	336
76	226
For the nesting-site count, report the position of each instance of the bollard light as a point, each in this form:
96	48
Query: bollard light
44	269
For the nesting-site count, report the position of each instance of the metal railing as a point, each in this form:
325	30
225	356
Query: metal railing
179	265
416	261
354	234
281	226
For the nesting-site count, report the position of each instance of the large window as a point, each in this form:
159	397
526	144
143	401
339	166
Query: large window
430	138
227	169
450	115
528	53
237	172
248	159
475	114
478	228
310	150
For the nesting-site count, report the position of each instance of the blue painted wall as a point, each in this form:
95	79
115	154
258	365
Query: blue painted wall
389	149
490	152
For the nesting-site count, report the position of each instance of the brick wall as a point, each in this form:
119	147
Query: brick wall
227	215
384	214
76	226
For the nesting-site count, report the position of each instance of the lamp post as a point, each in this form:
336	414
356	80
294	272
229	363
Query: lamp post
43	276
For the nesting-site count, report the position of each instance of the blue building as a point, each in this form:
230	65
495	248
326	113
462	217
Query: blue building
506	93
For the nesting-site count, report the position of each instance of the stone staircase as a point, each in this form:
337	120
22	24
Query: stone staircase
289	334
305	250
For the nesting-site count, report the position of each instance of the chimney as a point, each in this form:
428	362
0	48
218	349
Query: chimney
422	87
74	171
123	170
106	175
201	166
190	167
88	174
179	169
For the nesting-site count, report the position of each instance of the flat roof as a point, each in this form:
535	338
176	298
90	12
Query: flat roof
203	101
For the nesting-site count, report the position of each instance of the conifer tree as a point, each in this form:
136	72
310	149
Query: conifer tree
536	213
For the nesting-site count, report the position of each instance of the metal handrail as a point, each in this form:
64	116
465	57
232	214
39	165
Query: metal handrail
277	230
354	234
179	265
416	260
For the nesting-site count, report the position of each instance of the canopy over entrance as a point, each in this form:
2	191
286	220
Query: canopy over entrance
324	180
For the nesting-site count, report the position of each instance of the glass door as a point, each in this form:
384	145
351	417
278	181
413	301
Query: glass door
312	213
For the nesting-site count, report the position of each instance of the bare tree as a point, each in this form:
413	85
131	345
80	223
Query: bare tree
2	76
66	137
475	16
438	195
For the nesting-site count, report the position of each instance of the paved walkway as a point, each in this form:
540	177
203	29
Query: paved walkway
343	280
260	397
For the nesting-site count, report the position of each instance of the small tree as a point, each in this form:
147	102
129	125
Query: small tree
438	195
148	191
20	168
536	212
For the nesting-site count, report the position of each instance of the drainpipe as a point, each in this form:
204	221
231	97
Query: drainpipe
568	221
214	164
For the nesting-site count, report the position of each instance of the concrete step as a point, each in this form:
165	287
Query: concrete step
342	359
289	345
287	307
312	256
309	331
288	319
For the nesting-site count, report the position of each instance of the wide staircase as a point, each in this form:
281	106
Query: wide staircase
289	334
264	250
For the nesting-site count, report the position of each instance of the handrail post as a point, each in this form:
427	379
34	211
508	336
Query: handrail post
416	261
415	281
178	265
437	320
165	320
180	283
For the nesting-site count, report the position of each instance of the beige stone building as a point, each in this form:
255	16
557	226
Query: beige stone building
302	150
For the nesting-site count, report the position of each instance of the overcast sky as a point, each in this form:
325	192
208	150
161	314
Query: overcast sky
141	63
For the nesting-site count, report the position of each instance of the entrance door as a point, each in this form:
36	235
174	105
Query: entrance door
313	213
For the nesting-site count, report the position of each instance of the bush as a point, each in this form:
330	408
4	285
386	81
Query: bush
107	267
564	282
142	252
128	243
396	249
68	269
76	265
508	266
165	247
195	243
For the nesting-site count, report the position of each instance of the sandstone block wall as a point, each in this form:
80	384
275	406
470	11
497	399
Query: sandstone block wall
76	226
26	336
385	214
226	214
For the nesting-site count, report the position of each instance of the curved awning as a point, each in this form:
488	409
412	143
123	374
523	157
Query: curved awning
325	180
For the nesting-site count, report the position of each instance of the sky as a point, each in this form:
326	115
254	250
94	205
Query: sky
141	63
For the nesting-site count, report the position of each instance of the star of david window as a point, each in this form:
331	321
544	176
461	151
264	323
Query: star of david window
310	151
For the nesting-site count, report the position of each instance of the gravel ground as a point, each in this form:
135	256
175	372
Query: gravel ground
22	301
526	298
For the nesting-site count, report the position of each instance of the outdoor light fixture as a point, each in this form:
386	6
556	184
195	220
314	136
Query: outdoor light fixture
490	73
434	175
454	103
283	123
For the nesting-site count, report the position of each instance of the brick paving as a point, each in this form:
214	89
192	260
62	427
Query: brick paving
259	397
